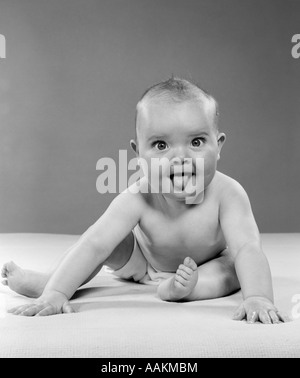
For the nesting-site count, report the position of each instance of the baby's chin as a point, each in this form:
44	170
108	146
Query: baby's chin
188	198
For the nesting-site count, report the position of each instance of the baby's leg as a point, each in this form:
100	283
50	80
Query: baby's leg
24	281
216	278
31	283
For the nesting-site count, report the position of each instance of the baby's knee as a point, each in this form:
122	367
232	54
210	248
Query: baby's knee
121	254
229	282
222	284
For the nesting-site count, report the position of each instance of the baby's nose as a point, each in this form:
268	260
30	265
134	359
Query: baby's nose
180	160
180	154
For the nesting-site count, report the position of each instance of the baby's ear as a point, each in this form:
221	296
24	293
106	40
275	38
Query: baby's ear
134	146
221	141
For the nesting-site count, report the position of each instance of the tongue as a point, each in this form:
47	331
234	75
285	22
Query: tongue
180	182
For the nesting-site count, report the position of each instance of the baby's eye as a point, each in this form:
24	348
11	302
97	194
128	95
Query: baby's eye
197	142
160	145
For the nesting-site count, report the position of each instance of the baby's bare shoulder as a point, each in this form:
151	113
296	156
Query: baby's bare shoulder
135	194
228	188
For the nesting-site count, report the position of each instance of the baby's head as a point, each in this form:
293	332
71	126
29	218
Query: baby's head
178	121
175	91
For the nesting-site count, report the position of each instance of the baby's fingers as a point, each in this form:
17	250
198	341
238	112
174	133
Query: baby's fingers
239	313
67	308
31	310
274	317
283	317
252	317
264	317
17	310
49	310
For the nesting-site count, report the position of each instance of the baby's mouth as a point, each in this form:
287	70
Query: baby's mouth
180	180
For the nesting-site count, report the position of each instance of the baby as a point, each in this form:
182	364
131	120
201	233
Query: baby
197	240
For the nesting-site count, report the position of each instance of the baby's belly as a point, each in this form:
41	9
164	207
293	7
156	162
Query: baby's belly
167	257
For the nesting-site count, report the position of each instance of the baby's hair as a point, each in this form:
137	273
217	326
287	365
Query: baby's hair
177	90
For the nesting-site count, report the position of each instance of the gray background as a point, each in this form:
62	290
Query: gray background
76	68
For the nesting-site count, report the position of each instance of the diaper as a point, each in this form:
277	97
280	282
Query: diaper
139	270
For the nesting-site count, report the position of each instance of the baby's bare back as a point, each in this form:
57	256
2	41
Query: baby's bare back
166	237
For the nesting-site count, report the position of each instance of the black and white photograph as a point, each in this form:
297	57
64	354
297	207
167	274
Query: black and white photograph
150	181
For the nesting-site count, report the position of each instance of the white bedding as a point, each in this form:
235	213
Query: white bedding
115	318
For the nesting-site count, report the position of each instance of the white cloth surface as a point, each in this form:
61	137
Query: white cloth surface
116	318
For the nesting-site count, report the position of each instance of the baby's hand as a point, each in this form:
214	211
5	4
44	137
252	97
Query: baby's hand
259	309
48	304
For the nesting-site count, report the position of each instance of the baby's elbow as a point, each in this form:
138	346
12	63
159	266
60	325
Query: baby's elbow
250	248
90	239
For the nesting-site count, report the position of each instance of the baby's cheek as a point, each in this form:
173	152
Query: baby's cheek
210	166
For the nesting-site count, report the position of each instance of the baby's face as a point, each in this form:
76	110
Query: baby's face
181	133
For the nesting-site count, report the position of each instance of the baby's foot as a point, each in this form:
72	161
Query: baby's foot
24	282
182	284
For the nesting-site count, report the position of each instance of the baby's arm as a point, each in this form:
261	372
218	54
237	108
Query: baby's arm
92	249
252	268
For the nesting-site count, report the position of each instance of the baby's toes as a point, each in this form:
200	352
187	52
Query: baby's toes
184	272
4	271
10	267
4	282
179	281
190	263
